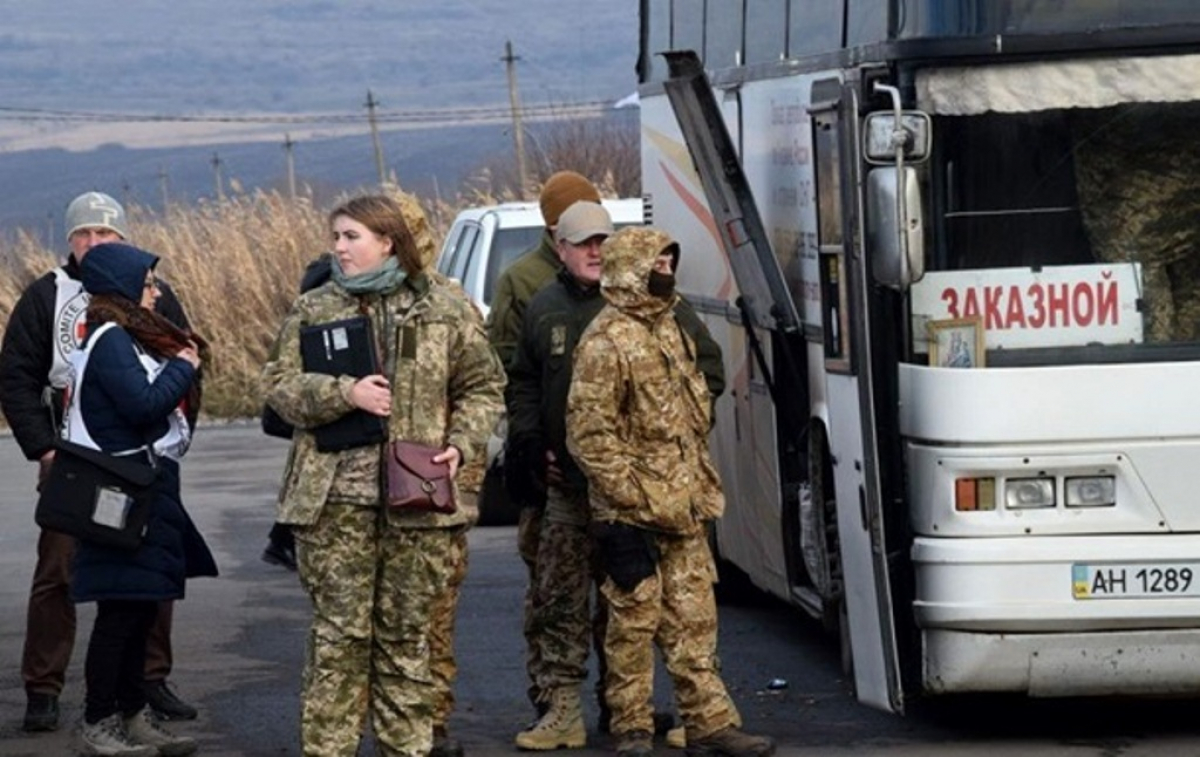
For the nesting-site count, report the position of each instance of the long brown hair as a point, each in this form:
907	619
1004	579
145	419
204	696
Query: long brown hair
383	216
153	332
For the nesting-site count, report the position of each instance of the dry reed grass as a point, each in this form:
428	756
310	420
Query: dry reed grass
236	265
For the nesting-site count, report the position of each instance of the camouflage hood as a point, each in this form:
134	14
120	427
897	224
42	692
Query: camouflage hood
628	259
418	225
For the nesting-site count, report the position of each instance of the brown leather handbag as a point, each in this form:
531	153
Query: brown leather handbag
415	482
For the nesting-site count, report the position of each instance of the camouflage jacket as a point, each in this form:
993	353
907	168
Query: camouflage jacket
514	289
447	388
638	410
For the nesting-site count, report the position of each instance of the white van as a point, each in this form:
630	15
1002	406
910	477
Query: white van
485	240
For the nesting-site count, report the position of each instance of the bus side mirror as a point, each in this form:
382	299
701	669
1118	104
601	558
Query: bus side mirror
882	141
897	245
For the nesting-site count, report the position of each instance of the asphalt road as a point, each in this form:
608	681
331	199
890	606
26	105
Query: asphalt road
239	644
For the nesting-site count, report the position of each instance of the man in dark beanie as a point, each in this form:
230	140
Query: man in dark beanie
45	326
516	286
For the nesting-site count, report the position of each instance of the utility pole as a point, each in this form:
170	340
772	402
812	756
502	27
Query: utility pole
288	144
162	187
515	101
370	106
216	164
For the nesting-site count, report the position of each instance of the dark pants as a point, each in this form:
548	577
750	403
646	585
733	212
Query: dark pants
116	657
50	623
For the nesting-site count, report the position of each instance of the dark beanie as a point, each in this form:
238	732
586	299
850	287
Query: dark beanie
561	191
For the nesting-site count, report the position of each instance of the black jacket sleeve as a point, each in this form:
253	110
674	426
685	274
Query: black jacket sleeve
25	360
708	352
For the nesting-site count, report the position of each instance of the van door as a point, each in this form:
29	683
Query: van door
845	288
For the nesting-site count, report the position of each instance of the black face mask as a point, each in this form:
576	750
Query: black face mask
661	284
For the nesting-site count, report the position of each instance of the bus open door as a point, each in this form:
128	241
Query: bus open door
766	303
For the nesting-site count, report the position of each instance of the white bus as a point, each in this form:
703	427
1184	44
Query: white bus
964	354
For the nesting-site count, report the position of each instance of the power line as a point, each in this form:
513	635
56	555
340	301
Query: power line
497	112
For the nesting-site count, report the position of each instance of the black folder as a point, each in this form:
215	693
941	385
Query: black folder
343	348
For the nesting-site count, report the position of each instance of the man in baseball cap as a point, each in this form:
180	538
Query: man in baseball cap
44	328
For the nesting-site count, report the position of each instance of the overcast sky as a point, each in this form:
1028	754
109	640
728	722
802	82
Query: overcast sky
299	56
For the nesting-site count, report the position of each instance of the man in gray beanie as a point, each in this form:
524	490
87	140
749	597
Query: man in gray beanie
43	329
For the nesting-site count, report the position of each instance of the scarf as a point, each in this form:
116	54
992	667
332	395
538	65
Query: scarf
158	336
385	279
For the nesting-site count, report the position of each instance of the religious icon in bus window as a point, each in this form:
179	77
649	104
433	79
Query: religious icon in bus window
956	343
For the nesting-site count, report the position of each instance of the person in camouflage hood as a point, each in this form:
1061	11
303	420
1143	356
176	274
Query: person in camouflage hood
374	574
638	415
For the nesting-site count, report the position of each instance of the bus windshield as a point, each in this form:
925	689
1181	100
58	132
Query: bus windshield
1069	187
937	18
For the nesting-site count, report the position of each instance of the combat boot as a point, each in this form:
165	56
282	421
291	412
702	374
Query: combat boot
560	728
445	745
635	744
730	742
676	738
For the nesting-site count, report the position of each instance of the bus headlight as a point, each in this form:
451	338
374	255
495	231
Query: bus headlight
1091	491
1026	493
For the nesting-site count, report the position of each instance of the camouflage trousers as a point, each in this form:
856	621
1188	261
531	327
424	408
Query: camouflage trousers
566	572
442	664
373	585
529	535
676	611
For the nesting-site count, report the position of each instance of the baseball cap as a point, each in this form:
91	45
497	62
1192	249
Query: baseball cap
582	221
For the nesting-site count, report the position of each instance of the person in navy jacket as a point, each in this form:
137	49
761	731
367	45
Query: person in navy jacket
134	381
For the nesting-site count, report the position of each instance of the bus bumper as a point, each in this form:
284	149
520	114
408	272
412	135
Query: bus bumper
1126	663
1001	614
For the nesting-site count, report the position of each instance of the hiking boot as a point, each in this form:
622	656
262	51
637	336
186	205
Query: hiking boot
560	728
280	554
444	745
109	737
165	704
676	738
635	744
144	728
41	712
730	742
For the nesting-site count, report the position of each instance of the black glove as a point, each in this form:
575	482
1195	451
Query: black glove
523	461
628	554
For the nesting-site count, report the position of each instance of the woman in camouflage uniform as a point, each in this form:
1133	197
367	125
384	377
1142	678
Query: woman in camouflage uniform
372	573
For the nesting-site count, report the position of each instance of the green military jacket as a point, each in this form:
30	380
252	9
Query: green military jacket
514	289
638	409
447	389
539	375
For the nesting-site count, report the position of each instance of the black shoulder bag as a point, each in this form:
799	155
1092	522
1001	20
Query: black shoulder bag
97	497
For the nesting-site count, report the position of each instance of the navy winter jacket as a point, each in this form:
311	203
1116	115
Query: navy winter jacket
122	410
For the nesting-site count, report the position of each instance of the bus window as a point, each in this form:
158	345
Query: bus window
766	31
866	21
814	27
687	26
656	38
723	34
